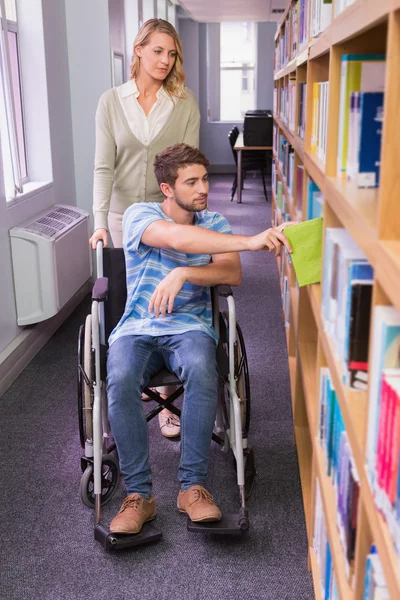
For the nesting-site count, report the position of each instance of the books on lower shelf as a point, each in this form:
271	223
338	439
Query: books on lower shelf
339	464
374	585
383	435
327	579
346	305
359	73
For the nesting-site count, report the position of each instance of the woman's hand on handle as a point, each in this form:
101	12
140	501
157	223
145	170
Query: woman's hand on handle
99	234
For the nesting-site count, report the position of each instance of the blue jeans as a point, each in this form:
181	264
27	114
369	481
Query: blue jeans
131	363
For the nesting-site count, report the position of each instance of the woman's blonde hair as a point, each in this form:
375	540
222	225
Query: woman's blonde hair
175	81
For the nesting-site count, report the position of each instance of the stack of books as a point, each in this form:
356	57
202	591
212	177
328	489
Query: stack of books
301	129
383	438
375	584
299	191
319	119
346	304
321	16
322	549
341	5
315	200
340	465
362	83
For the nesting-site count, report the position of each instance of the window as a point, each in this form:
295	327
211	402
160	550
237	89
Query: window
12	133
237	69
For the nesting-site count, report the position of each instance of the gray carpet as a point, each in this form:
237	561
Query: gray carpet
47	550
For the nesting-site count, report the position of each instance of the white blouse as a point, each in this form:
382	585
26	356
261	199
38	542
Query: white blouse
144	128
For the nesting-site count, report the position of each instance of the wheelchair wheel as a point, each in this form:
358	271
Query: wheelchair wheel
84	390
109	478
241	373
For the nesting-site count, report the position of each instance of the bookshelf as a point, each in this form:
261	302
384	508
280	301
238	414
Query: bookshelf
372	218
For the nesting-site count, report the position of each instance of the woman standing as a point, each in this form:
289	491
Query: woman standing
134	122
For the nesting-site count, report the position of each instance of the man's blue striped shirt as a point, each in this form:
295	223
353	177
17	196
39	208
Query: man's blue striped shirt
147	266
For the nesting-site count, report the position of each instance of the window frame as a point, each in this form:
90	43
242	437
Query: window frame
214	73
10	102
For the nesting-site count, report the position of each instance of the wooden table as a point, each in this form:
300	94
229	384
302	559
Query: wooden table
240	147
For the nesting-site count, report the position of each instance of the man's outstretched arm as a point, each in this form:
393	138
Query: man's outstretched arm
197	240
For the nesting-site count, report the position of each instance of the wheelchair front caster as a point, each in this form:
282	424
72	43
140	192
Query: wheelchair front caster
109	479
122	541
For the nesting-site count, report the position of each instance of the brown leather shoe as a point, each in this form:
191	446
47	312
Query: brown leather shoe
134	511
198	504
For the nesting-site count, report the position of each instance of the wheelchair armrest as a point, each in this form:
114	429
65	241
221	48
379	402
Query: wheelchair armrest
224	290
100	289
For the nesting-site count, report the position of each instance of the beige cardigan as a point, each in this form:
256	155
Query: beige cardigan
123	166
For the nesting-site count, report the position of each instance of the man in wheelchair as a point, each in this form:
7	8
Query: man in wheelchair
174	252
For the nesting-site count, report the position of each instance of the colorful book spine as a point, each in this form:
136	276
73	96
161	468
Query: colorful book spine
359	73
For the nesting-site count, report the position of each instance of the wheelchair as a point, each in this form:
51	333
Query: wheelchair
99	463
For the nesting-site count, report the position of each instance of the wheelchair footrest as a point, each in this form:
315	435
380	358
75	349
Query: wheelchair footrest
120	541
228	525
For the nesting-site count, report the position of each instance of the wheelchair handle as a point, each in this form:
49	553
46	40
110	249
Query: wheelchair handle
99	258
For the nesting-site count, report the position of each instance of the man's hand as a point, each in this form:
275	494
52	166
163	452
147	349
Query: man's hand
164	295
271	239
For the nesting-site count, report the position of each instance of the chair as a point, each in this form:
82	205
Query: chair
251	161
99	465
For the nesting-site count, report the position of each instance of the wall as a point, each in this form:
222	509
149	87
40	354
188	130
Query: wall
201	70
62	189
77	72
90	76
265	64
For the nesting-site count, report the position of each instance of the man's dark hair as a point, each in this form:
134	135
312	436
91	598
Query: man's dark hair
176	157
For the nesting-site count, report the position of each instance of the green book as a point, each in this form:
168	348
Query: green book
306	242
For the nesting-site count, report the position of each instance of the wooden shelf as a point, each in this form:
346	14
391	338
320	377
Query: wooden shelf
328	502
304	454
387	270
316	574
308	356
292	373
372	218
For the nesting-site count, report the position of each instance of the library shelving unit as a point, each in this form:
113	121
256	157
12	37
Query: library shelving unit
372	217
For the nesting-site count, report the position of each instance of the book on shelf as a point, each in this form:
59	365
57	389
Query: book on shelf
302	91
327	579
346	305
299	191
321	16
306	242
341	5
365	136
374	581
315	200
383	433
319	121
359	73
339	465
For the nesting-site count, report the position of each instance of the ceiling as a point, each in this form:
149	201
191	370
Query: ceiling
211	11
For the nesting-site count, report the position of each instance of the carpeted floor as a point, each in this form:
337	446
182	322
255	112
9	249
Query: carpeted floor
47	549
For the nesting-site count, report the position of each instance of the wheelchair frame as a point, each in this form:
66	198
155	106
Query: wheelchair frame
234	436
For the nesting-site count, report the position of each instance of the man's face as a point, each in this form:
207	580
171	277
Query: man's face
191	188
